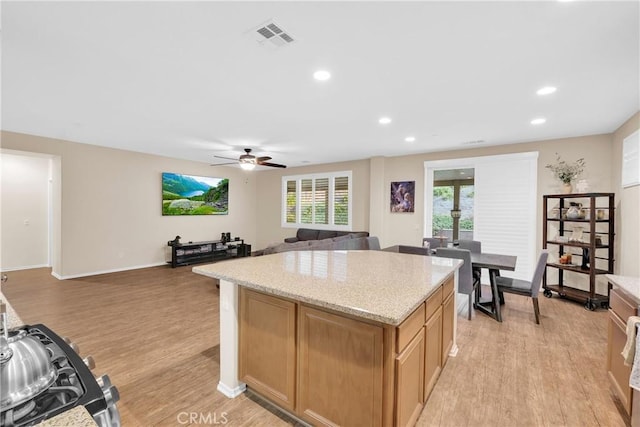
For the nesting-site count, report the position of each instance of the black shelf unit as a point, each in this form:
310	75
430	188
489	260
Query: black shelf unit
207	251
597	254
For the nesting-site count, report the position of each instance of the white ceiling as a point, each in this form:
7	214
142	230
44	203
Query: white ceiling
188	80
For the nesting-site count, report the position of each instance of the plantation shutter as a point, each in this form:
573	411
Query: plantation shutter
291	203
306	201
341	200
321	201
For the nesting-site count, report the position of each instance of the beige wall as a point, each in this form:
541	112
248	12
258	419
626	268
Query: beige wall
628	206
24	197
111	216
596	151
372	178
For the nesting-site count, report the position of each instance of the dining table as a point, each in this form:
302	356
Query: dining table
494	263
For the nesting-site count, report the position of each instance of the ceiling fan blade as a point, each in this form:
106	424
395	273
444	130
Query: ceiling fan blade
263	159
273	165
228	158
222	164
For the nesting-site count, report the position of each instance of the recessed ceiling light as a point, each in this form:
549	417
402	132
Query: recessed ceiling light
410	139
384	120
538	121
322	75
547	90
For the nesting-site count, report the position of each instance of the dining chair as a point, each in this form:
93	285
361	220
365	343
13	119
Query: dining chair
434	242
466	283
524	287
415	250
474	246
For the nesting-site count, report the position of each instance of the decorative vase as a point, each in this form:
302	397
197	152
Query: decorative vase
567	188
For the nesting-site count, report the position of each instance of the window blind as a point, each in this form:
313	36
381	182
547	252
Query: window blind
505	209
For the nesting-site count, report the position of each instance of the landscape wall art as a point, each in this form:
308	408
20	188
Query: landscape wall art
194	195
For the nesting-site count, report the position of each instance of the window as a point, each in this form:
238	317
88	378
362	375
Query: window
505	204
320	200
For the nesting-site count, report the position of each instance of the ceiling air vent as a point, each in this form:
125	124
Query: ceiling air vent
272	35
474	142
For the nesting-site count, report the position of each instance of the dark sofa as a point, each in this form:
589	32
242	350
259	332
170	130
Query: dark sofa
345	242
312	234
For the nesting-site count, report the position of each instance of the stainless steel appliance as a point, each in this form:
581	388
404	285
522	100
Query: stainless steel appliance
41	376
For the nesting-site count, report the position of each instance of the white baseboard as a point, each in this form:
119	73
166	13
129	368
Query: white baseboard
95	273
231	392
26	267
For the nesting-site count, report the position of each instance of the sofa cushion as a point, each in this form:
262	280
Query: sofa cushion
326	234
307	234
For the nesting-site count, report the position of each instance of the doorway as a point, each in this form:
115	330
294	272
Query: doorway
453	202
30	210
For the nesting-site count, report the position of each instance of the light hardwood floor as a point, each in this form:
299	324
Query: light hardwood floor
155	332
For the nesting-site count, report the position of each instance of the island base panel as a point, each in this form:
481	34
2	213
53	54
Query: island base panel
340	366
268	346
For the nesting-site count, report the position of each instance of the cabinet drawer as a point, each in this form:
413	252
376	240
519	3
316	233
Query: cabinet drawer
434	302
447	287
621	306
618	372
410	327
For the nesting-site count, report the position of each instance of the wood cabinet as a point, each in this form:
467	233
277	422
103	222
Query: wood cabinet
268	346
410	381
340	370
433	342
591	253
332	369
448	313
621	308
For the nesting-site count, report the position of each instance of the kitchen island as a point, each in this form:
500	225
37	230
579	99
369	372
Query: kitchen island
337	337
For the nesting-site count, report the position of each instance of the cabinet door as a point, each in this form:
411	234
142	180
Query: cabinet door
448	311
268	346
409	381
340	368
616	369
433	351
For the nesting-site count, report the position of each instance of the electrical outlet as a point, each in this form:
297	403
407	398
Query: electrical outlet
26	222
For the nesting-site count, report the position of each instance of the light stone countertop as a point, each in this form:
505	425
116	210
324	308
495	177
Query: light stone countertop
12	317
382	286
77	416
629	284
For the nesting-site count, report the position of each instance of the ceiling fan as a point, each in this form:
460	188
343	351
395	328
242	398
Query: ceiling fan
248	161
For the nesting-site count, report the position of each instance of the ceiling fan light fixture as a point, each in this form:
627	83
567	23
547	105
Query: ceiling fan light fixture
247	166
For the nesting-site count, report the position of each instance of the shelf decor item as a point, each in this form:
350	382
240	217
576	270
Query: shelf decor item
566	172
